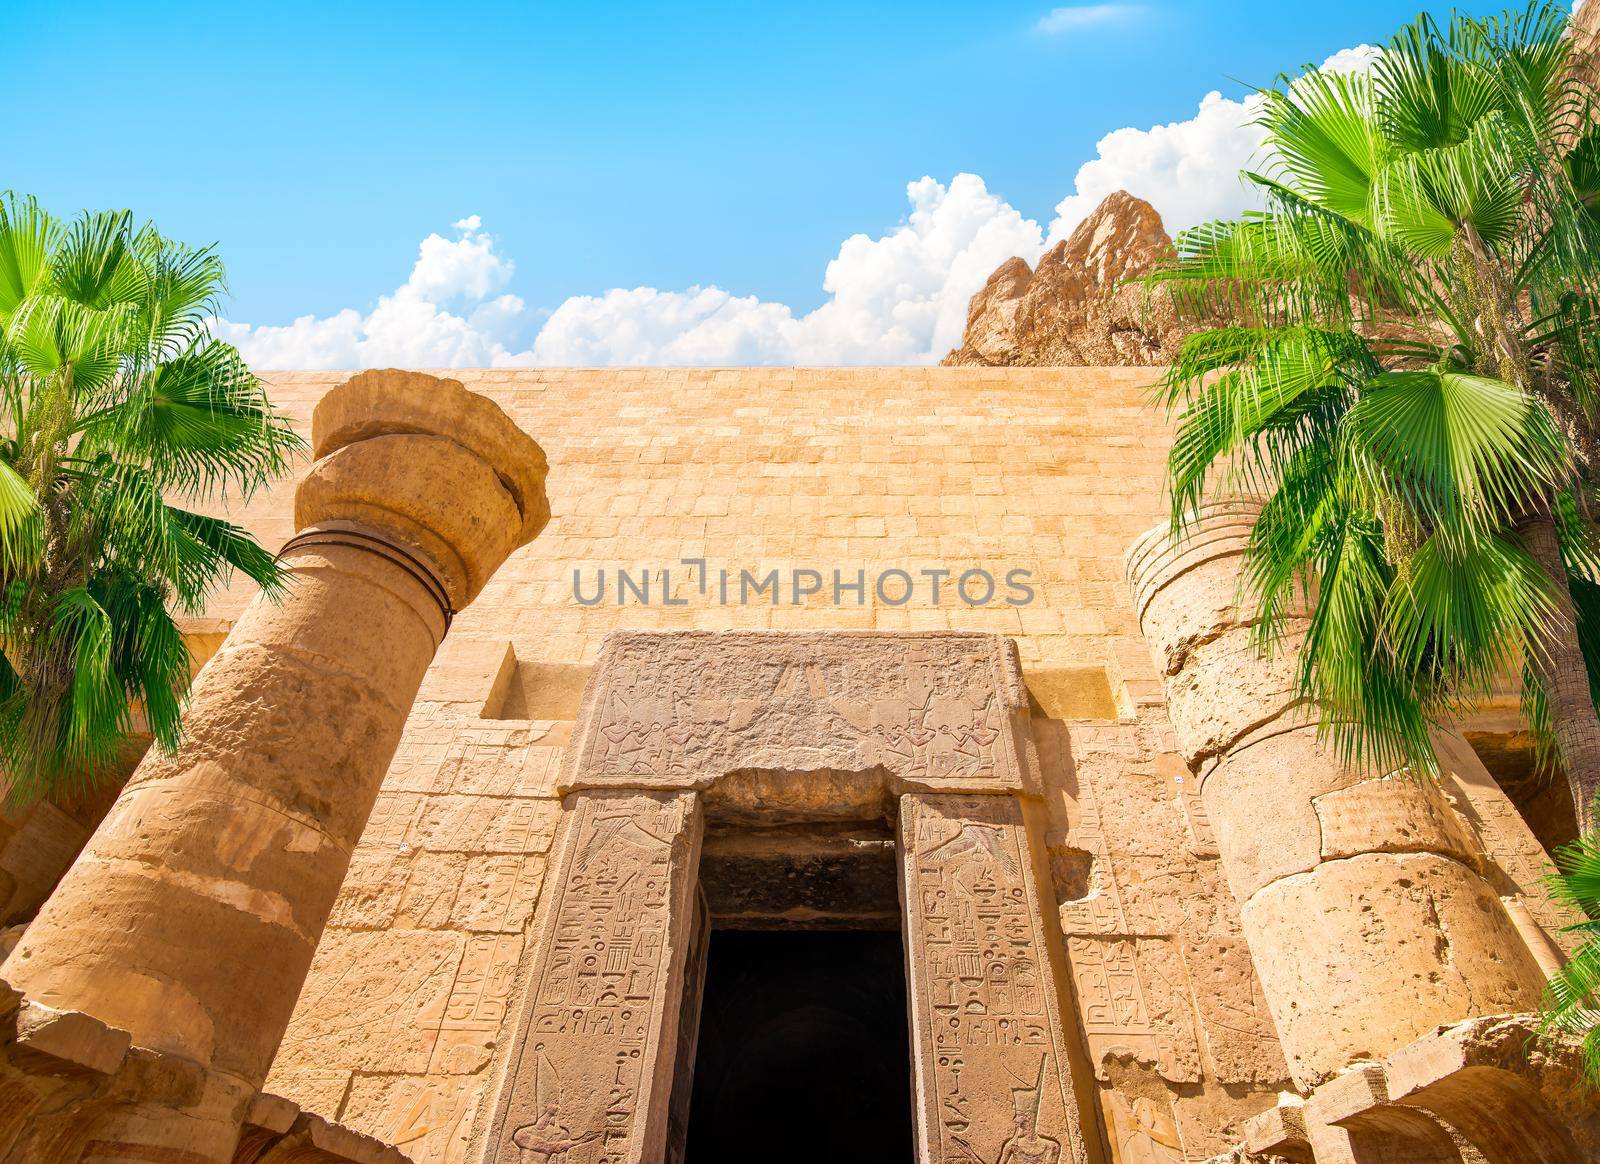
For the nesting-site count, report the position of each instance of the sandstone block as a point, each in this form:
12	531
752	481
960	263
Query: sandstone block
1261	804
68	1040
1360	956
1393	814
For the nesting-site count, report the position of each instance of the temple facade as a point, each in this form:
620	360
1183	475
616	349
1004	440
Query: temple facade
671	765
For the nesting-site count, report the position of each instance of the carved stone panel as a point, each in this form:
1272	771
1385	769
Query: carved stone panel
993	1078
940	711
590	1067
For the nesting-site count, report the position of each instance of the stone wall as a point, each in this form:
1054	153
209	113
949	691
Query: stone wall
1055	471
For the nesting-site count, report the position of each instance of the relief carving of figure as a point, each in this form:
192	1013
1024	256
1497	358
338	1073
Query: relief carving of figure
547	1140
1026	1145
978	839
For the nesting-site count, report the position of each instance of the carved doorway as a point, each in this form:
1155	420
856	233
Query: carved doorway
794	1032
825	785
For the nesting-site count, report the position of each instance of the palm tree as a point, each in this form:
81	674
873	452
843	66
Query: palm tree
1409	376
1573	1002
115	402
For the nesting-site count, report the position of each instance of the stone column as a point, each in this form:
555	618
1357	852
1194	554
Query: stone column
592	1059
991	1066
1360	896
190	919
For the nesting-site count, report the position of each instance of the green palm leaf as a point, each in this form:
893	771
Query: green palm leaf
28	237
1403	362
117	406
1572	999
1324	143
1456	447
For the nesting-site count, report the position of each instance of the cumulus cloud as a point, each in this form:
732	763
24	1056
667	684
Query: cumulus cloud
1079	17
1188	170
896	298
413	325
899	298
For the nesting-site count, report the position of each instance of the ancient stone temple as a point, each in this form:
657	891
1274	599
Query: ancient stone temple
659	765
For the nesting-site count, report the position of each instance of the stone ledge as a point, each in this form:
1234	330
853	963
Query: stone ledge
1489	1081
43	1050
271	1113
276	1131
53	1042
1279	1131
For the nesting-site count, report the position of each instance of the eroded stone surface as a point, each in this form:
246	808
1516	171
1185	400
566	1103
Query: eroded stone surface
191	918
1372	949
1054	470
942	710
993	1073
591	1061
1078	306
1366	914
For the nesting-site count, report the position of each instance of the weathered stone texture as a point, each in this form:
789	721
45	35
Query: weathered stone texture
191	919
993	1067
959	468
1362	898
1078	306
928	710
595	1042
409	1011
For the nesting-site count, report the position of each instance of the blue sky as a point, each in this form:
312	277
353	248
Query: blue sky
602	145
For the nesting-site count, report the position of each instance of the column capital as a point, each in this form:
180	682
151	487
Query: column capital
427	466
1156	560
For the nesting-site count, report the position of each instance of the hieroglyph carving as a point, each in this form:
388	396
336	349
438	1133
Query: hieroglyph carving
592	1059
673	709
993	1082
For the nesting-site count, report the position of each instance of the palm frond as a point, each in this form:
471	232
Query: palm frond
1457	448
1572	998
201	422
1324	143
28	237
117	406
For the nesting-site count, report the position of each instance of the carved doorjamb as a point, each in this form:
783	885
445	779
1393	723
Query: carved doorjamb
993	1072
942	720
687	1043
591	1061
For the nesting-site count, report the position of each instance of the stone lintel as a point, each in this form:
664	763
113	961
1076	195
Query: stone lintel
1487	1082
1513	1094
271	1113
309	1139
1494	1041
1347	1096
679	710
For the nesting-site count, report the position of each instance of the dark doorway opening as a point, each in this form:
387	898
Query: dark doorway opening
803	1051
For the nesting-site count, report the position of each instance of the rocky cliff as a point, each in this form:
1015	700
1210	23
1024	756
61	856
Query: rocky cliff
1077	307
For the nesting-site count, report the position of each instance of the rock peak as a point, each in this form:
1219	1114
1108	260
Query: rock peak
1077	306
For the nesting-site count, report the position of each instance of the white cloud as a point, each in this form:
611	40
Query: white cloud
1078	17
466	266
411	326
1188	170
898	298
